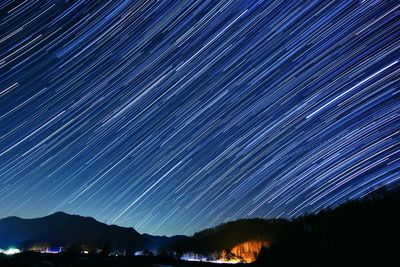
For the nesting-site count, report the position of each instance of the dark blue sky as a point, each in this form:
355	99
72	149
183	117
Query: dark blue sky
173	116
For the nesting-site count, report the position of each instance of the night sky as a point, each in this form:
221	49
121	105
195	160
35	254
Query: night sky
173	116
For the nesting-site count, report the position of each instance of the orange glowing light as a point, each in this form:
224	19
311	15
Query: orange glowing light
248	251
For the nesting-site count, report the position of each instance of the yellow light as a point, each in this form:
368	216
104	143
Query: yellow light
247	251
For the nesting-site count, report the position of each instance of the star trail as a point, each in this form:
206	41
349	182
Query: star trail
174	116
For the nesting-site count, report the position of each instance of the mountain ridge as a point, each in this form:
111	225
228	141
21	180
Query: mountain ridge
64	229
368	227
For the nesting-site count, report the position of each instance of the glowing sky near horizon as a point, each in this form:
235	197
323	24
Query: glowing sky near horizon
173	116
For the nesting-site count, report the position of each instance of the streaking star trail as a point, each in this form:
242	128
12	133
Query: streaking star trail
174	116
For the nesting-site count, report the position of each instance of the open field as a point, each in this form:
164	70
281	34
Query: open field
64	260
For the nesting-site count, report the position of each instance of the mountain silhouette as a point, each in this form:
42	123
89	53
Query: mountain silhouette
357	232
361	232
63	229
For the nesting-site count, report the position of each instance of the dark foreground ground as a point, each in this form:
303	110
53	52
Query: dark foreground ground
63	260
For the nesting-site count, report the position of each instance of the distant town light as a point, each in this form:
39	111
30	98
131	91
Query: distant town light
10	251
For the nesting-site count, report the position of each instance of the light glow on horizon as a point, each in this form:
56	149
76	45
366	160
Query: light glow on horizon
10	251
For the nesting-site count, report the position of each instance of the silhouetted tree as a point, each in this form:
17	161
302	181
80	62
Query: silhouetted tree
74	249
106	250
